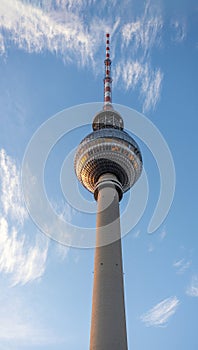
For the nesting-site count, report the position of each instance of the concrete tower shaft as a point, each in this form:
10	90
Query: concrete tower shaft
108	324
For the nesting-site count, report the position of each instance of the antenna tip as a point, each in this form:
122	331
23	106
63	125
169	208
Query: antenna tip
107	35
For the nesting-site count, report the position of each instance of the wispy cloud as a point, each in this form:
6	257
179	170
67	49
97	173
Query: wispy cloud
63	210
137	234
179	30
182	265
159	315
163	234
151	248
140	75
74	30
11	197
23	260
61	251
2	45
151	87
70	30
35	30
192	290
145	32
138	39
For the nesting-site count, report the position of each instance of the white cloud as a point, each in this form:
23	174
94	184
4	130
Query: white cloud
163	234
182	265
151	87
192	290
2	45
23	260
35	30
74	30
179	30
136	234
151	248
131	74
145	32
11	197
69	29
136	74
138	39
63	210
159	315
62	251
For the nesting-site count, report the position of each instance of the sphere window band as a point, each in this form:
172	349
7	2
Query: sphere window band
112	135
105	151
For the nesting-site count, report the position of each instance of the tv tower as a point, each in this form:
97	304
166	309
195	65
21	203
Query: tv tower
108	162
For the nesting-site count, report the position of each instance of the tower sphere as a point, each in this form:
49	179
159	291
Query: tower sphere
108	149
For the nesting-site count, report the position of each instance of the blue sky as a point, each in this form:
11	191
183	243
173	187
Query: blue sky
51	58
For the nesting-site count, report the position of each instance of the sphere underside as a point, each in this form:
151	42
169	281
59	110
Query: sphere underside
101	152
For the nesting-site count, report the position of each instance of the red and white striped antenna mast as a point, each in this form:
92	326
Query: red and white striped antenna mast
108	117
107	78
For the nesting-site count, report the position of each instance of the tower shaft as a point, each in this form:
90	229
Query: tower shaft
108	323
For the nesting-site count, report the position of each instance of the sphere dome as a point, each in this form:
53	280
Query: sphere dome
108	118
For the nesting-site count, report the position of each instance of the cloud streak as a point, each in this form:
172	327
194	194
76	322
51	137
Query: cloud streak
145	32
23	260
139	37
179	30
71	31
192	290
182	265
163	234
140	76
34	30
159	315
11	197
74	31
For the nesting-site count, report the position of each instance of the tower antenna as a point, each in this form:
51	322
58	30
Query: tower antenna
107	78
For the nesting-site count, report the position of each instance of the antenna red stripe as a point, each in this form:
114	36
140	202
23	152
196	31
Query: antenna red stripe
107	79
